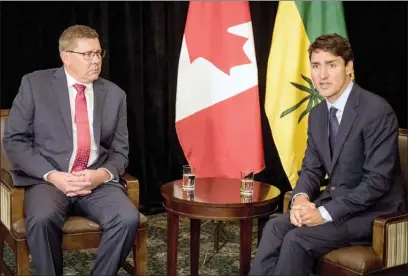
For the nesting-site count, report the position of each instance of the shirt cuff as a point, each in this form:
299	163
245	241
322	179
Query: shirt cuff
111	176
45	176
325	215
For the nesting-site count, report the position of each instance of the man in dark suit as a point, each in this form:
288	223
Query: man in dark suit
352	138
67	139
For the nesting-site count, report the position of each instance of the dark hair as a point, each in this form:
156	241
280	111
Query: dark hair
335	44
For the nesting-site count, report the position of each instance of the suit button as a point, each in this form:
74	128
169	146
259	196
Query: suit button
66	158
333	188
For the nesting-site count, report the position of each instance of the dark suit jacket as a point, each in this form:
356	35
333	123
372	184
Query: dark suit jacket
38	132
364	174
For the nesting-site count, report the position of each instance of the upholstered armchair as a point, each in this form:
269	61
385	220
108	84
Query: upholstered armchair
78	232
388	254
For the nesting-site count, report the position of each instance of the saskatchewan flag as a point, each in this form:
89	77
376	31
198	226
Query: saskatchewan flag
290	94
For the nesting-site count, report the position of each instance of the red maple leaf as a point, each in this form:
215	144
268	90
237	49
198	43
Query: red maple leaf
207	33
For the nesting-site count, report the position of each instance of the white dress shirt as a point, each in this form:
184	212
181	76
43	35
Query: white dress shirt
339	104
89	95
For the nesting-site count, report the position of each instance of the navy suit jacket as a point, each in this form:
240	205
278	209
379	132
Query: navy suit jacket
38	133
364	173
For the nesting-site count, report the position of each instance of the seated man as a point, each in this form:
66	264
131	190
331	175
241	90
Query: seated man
353	139
67	139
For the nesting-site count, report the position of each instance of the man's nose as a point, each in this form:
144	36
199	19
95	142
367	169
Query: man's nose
96	59
323	73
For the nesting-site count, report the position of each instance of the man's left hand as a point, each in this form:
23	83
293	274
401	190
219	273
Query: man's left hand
311	216
93	177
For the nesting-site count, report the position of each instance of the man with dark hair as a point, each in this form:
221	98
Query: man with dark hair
67	139
352	138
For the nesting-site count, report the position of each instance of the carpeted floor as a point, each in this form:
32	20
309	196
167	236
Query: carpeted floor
225	262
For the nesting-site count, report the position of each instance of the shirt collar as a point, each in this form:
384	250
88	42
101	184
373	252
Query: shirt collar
340	103
71	81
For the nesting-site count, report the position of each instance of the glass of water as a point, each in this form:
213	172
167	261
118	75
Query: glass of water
246	198
188	195
188	183
247	182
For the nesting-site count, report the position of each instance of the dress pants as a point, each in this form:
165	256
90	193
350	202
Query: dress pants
47	208
288	250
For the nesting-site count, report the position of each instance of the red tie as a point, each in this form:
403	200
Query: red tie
83	132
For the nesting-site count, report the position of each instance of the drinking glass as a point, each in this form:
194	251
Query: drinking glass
188	178
247	182
246	198
188	195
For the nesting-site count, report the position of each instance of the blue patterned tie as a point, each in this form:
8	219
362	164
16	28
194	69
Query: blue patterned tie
333	128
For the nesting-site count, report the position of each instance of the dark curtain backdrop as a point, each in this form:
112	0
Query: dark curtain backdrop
143	41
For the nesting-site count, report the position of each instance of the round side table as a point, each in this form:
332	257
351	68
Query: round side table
216	199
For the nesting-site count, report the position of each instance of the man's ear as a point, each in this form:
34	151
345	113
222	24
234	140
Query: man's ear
350	68
64	57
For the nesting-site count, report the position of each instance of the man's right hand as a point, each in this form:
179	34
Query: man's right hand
295	216
300	202
69	184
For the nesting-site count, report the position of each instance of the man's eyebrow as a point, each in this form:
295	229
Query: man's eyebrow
331	61
326	62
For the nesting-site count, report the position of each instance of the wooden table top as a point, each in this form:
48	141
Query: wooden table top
219	198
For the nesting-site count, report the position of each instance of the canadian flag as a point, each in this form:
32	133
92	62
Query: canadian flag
217	107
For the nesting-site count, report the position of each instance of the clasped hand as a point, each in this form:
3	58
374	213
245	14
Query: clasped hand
305	214
80	183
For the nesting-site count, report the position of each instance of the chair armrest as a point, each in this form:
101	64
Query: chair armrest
131	184
286	201
390	239
11	200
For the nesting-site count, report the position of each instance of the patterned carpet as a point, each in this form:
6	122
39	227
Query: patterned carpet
225	262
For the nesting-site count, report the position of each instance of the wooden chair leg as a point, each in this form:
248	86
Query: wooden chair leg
140	252
22	259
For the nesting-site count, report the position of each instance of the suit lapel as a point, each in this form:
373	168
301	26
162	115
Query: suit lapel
324	138
347	121
99	97
60	86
